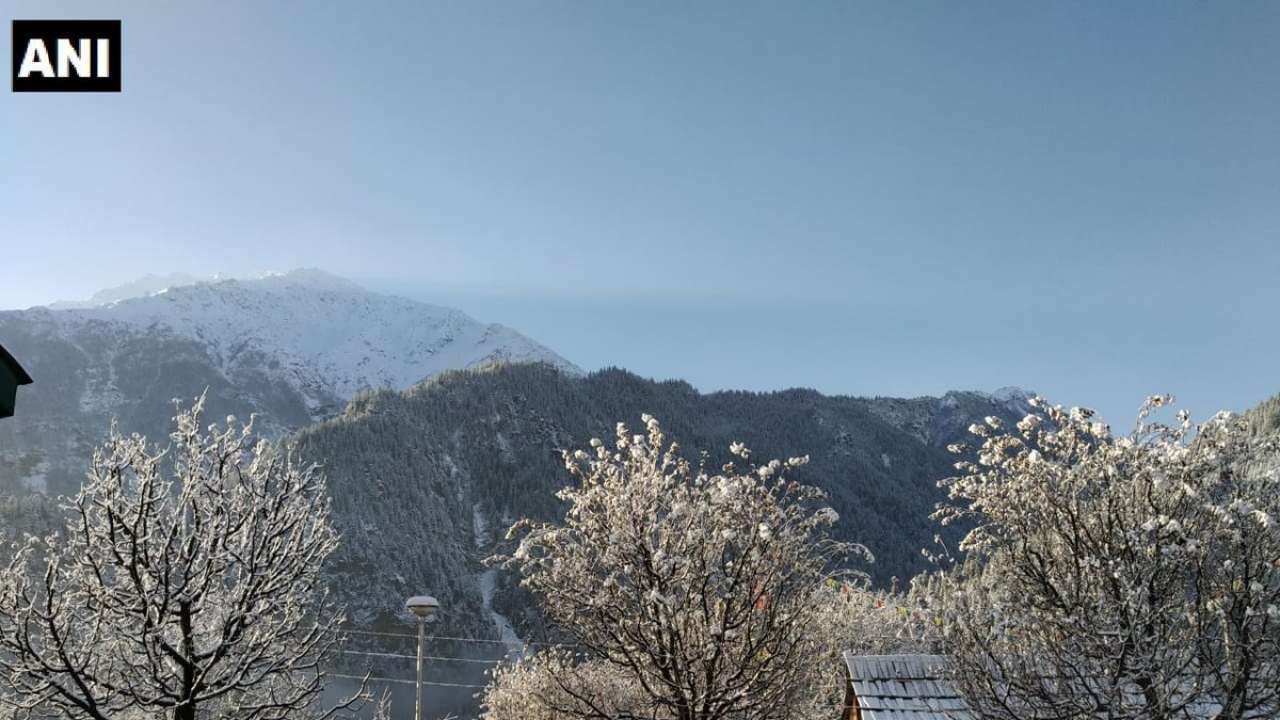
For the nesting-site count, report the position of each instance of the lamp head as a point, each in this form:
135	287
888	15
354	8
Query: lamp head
424	606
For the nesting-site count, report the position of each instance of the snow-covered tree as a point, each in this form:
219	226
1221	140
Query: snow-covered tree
186	584
695	588
862	620
849	616
852	617
556	684
1117	577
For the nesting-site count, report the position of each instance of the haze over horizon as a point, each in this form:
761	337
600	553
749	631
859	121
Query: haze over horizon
893	200
469	300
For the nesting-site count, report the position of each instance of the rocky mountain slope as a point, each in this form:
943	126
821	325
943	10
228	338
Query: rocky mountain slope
292	348
425	481
1266	415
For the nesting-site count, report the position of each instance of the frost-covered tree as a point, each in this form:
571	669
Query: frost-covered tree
846	617
696	588
852	617
556	684
186	584
855	618
1118	577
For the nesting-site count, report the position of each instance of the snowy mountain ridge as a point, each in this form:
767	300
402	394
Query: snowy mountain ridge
289	348
152	284
321	331
940	421
145	285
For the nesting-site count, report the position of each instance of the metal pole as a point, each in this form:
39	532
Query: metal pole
417	697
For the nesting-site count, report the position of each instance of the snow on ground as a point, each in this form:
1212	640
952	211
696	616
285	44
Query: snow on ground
480	526
488	581
506	632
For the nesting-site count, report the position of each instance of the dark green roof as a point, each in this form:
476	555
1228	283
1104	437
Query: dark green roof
12	365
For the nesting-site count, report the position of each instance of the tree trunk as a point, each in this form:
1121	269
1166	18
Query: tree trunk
187	709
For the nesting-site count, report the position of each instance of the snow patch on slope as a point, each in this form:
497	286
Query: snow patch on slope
488	582
1012	394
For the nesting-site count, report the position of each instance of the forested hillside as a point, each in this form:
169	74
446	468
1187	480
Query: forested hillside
423	481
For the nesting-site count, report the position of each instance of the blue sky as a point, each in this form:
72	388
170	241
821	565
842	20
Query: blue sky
872	198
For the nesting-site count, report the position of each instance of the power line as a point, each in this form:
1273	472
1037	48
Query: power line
424	657
371	678
510	643
403	682
381	634
454	638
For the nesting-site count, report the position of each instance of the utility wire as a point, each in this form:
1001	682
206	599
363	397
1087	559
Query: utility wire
454	638
511	643
424	657
372	678
404	682
399	681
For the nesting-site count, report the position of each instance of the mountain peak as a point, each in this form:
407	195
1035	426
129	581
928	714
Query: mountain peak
149	284
322	334
309	277
153	284
1012	393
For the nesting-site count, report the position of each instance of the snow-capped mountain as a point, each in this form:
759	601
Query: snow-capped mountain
290	348
145	285
327	332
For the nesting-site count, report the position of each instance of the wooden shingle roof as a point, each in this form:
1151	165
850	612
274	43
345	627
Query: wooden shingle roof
904	687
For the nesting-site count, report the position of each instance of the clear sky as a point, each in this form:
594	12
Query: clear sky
895	198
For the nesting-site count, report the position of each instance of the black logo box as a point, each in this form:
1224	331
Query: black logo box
50	31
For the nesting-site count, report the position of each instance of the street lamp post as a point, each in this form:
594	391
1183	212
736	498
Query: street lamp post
424	607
